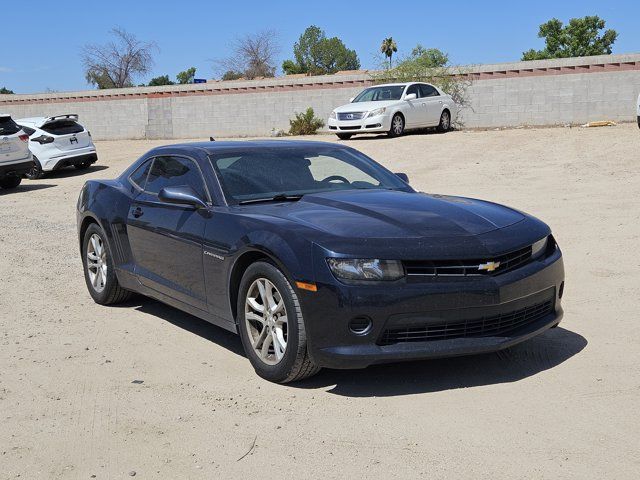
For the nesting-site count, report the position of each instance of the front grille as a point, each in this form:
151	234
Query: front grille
351	115
466	268
357	127
487	326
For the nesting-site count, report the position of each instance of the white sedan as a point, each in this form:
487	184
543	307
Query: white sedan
394	108
58	142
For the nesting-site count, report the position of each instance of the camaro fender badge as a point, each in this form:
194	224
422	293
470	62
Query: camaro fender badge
214	255
489	266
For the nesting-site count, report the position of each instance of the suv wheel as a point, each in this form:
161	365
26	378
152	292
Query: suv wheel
99	273
36	172
10	182
271	325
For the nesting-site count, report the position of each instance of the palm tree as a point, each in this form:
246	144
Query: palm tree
388	47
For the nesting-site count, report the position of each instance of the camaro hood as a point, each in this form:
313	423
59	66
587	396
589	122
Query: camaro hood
378	214
365	106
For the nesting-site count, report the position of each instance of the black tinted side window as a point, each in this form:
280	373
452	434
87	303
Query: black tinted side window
175	172
428	91
413	89
139	177
8	126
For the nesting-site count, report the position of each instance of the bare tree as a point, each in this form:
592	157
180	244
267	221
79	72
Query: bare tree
253	55
116	64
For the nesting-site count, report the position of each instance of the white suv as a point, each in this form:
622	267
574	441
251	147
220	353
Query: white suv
58	142
394	108
15	158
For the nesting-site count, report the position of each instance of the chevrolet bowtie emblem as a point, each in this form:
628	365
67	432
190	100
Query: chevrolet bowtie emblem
489	266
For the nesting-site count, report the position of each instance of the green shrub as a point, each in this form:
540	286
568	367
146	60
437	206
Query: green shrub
305	123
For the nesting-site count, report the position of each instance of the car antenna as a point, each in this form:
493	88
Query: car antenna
211	139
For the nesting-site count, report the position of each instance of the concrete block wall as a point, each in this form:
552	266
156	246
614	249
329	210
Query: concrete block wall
543	92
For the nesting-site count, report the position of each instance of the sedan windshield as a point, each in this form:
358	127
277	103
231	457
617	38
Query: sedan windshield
278	174
378	94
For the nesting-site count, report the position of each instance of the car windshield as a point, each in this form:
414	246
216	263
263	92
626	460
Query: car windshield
378	94
256	174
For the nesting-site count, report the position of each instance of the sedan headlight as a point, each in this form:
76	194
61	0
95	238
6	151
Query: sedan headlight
538	248
332	115
376	112
366	269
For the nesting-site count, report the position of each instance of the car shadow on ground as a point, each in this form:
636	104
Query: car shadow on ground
382	136
529	358
73	172
26	187
541	353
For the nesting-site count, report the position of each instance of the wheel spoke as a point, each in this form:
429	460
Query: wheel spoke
255	317
255	305
279	344
264	351
257	344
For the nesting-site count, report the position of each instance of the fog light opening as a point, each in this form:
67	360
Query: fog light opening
561	290
360	325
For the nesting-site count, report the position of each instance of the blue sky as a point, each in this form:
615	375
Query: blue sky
45	53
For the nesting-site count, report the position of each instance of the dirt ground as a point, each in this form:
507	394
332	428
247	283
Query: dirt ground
95	392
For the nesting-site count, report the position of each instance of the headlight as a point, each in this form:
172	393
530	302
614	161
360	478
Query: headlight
366	269
538	248
376	112
332	115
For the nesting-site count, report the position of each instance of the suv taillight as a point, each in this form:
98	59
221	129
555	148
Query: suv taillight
24	137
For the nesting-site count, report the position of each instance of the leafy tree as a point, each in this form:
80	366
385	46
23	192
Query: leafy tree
232	75
580	38
5	91
187	76
305	123
161	80
389	47
315	54
432	66
116	64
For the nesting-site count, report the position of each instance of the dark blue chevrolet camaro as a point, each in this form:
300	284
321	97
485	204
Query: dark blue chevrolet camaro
317	255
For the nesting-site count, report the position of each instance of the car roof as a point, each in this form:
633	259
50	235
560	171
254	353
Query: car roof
5	115
399	84
216	146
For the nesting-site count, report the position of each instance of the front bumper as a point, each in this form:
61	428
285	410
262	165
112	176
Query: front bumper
377	124
16	169
329	311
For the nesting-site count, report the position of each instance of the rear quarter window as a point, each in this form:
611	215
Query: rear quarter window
63	127
8	126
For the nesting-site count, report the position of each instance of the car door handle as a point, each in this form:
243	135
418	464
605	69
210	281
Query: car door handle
137	212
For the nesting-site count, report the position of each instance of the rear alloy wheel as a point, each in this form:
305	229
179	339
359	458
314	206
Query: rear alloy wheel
344	136
271	325
397	125
445	121
10	182
36	172
99	273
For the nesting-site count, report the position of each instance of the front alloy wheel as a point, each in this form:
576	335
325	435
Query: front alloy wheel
265	318
271	325
97	263
445	121
35	173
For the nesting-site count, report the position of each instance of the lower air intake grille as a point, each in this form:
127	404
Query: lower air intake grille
489	326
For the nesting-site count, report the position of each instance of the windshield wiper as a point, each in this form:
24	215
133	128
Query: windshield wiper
281	197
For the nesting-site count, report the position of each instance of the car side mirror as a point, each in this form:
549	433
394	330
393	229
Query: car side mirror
403	176
410	96
181	196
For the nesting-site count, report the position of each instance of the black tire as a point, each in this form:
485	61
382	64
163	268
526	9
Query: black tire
445	121
10	182
112	292
36	172
397	126
295	364
344	136
82	166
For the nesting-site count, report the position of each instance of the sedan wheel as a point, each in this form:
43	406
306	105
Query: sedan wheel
99	273
271	325
445	122
266	321
397	126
